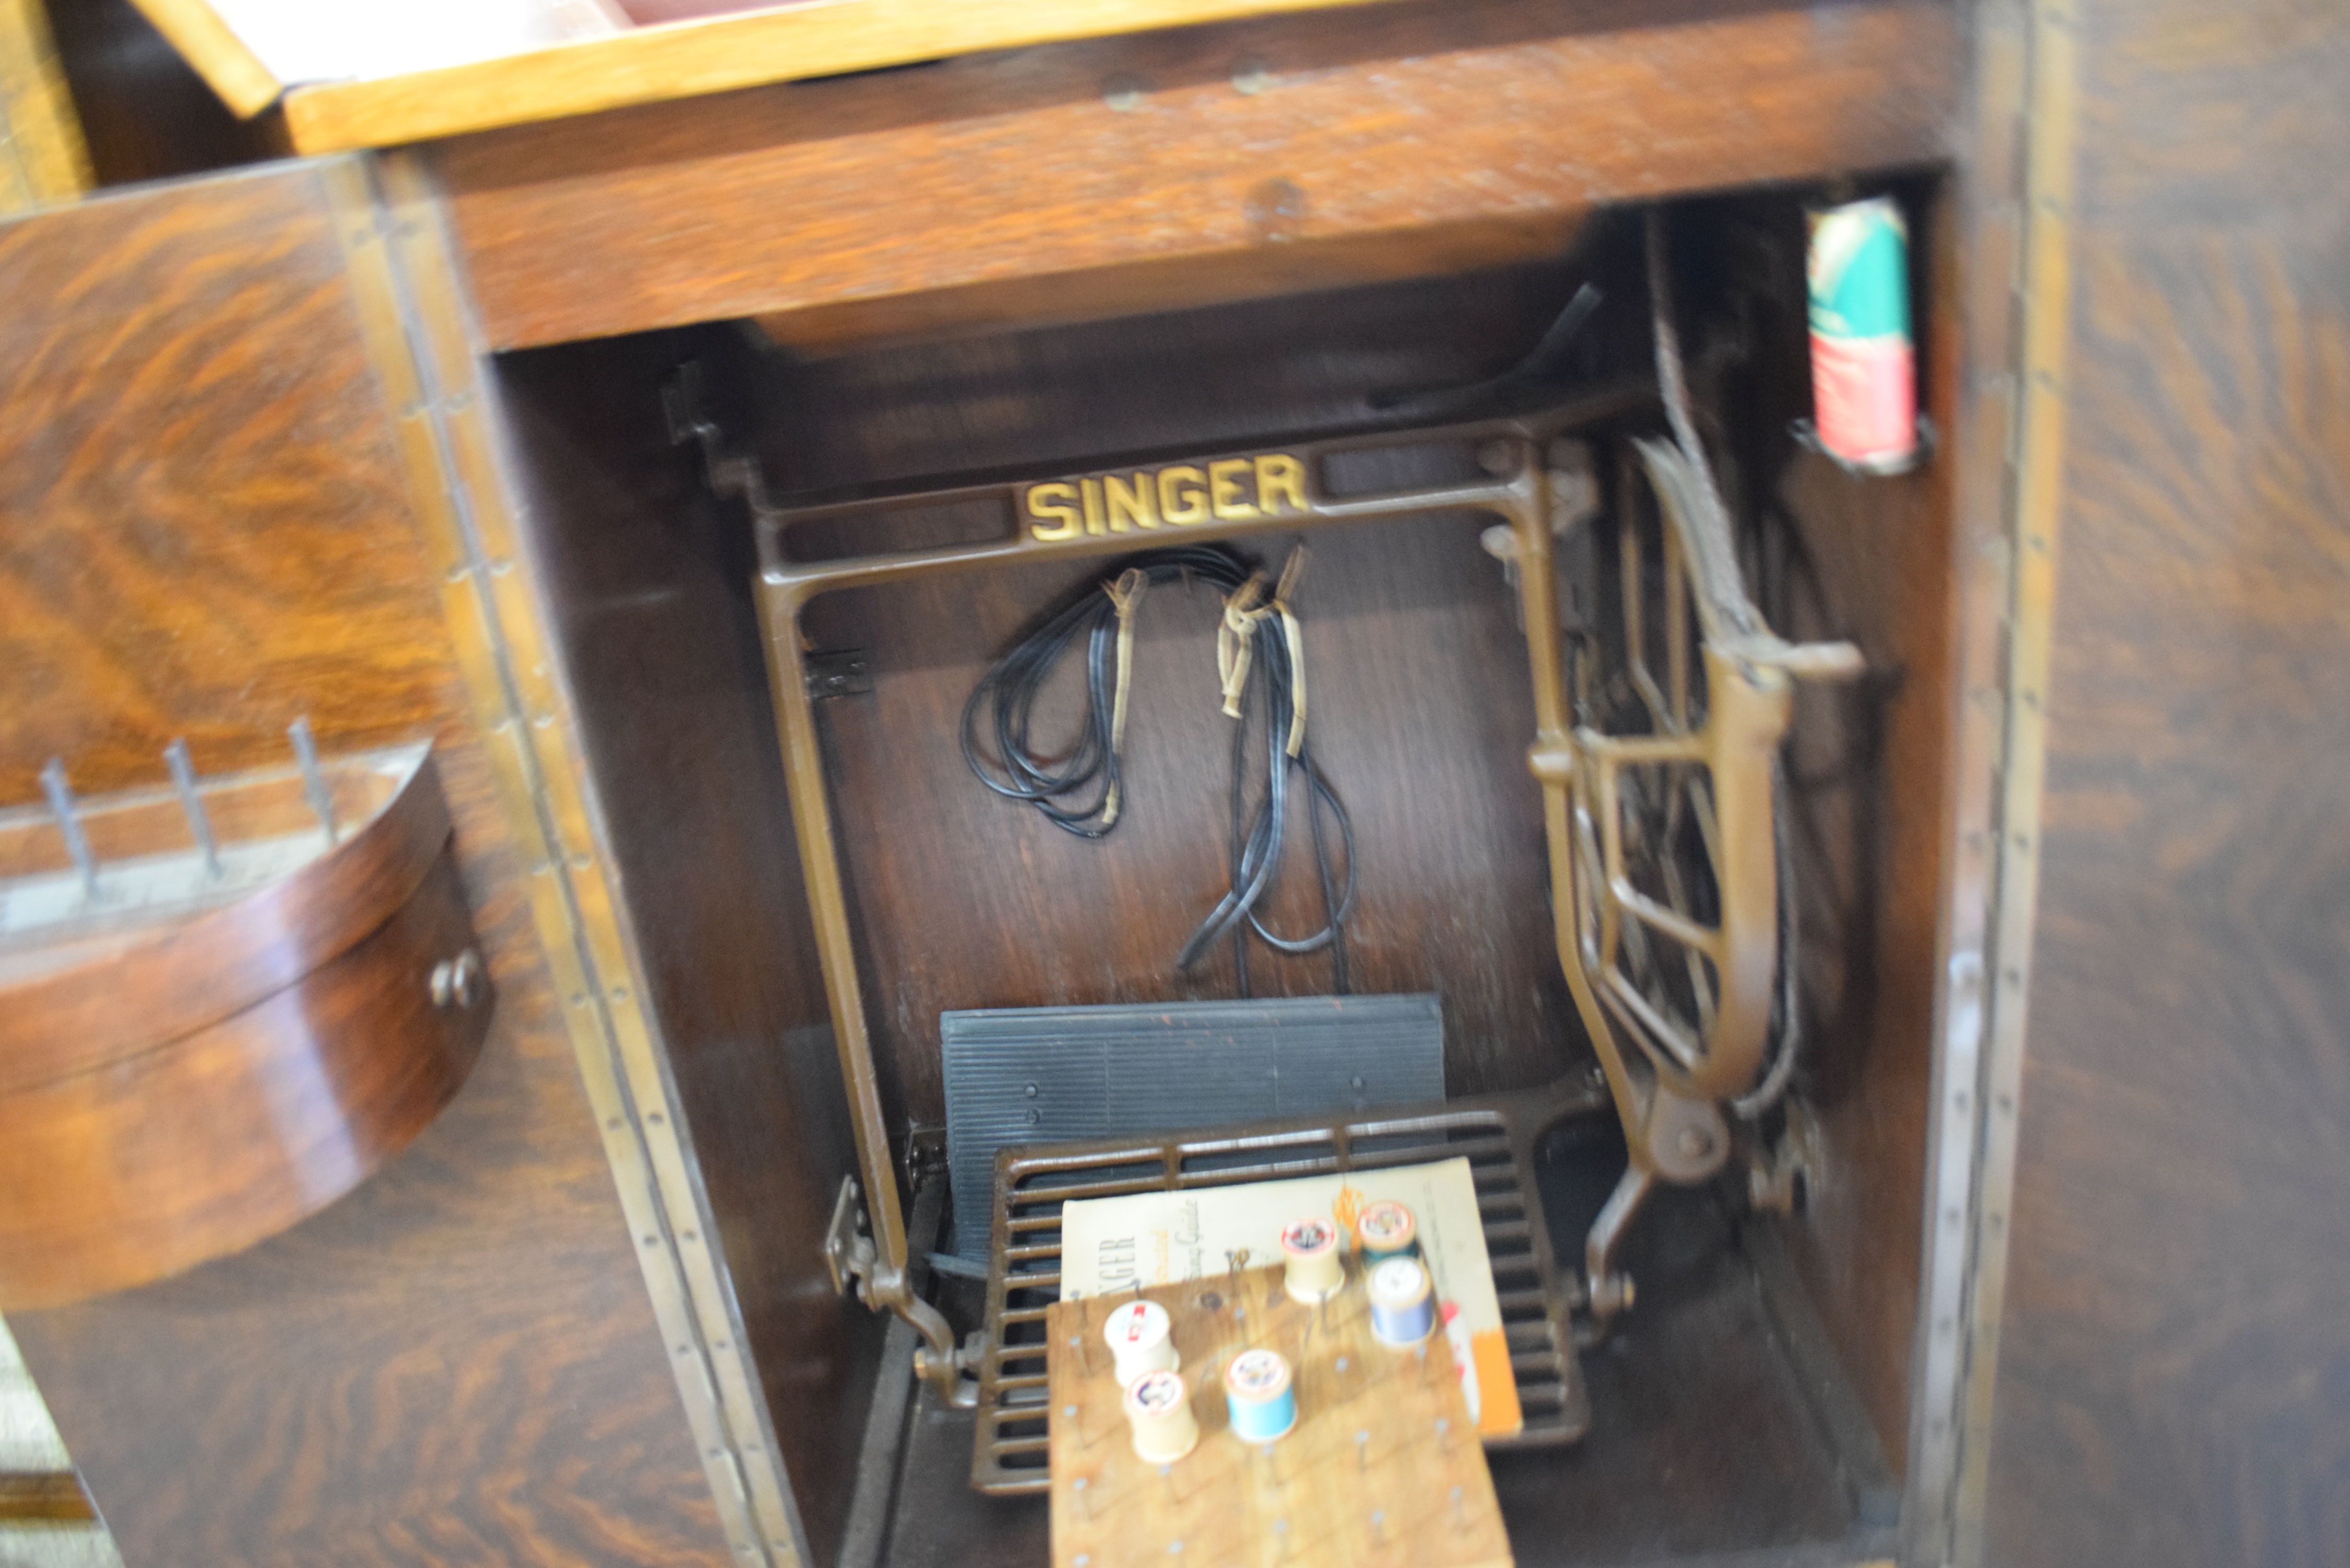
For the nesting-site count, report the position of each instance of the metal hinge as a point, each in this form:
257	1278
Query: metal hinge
848	1252
925	1156
838	673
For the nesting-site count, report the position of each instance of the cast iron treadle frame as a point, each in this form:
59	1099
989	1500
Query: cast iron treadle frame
1497	1134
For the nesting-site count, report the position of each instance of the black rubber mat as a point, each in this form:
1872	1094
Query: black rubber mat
1028	1075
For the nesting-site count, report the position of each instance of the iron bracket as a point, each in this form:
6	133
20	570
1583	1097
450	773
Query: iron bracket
848	1253
838	673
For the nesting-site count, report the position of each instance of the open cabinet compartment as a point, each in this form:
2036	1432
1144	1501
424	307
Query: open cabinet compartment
1757	1397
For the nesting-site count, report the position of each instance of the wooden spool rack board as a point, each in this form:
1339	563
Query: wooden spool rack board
1384	1468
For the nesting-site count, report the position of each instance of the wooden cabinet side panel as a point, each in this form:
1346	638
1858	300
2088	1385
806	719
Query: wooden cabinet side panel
1449	136
648	581
1872	769
2175	1347
207	534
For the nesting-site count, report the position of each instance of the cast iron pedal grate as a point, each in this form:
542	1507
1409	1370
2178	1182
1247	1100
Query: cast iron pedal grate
1496	1134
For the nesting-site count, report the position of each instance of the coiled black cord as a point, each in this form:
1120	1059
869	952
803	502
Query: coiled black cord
1084	793
1257	837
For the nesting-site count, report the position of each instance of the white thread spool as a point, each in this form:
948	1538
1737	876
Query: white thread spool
1159	1408
1315	1267
1140	1337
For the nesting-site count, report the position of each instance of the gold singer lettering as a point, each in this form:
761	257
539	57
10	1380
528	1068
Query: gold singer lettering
1052	502
1183	494
1137	506
1229	490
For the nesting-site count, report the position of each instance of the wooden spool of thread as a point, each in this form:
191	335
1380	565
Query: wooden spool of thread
1140	1337
1386	1230
1259	1397
1403	1302
1314	1268
1158	1410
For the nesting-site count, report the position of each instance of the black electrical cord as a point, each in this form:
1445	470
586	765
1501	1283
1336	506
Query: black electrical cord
1083	792
1015	681
1256	847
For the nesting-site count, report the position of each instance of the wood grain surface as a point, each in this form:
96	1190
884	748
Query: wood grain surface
137	1169
1382	1465
137	989
43	1499
1498	119
768	43
207	535
2174	1339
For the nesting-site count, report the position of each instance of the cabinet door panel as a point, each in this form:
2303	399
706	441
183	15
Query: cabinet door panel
2175	1339
204	532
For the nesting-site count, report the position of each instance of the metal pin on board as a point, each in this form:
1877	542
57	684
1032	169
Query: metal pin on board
184	779
1459	1520
1266	1463
314	781
61	800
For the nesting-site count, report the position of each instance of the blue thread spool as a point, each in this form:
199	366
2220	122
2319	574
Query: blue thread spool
1258	1396
1386	1230
1403	1304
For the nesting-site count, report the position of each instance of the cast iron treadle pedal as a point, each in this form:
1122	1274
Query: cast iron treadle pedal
1495	1133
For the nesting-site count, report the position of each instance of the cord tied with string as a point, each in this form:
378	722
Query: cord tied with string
1082	791
1125	597
1245	611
